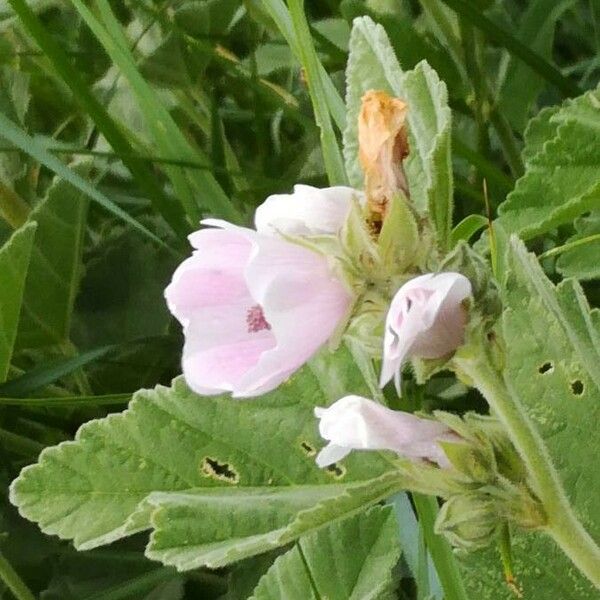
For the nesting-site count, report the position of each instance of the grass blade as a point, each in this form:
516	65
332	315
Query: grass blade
50	372
196	189
93	107
13	582
33	148
67	401
280	14
332	156
506	39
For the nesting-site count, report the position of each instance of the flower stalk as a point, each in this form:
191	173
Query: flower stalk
562	524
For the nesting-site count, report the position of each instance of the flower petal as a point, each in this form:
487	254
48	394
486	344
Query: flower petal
308	211
302	300
357	423
425	319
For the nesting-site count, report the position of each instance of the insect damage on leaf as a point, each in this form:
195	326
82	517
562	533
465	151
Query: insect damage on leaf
337	471
547	367
577	387
217	470
307	449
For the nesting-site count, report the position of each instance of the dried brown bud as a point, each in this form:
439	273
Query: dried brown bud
383	145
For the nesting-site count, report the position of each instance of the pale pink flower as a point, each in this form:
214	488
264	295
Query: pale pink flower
356	423
254	309
308	211
426	319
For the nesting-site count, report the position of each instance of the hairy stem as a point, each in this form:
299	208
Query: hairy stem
563	526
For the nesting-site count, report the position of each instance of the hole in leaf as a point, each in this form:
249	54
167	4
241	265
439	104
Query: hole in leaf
217	470
307	448
547	367
577	387
336	470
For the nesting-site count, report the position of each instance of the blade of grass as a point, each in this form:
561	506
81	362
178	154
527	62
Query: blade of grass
136	587
467	228
196	190
13	582
14	134
537	63
281	16
441	552
487	169
67	401
47	373
97	112
332	156
19	444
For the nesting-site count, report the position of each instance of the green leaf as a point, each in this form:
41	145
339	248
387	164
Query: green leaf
373	65
188	527
279	13
321	565
536	29
55	268
192	187
540	568
316	81
47	373
14	261
60	62
553	342
467	228
35	149
561	180
521	50
581	261
105	484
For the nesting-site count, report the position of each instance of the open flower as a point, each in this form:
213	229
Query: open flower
308	211
254	309
383	145
356	423
426	319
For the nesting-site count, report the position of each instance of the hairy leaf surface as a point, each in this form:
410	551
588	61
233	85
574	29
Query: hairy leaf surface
561	179
348	560
372	64
176	462
553	352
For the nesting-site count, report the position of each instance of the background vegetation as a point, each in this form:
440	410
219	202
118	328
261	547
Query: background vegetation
123	123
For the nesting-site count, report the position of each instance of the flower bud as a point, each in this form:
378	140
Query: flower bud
426	319
383	145
356	423
468	521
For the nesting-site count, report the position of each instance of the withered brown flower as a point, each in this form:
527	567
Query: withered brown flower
383	145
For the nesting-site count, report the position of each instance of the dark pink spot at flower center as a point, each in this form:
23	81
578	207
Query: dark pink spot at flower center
256	319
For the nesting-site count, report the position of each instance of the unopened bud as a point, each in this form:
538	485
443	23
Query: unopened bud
468	521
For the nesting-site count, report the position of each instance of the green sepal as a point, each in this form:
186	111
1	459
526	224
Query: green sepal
468	521
399	242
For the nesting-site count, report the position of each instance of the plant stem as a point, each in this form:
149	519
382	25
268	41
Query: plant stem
562	525
439	548
13	582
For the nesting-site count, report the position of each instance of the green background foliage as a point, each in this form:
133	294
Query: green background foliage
121	125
